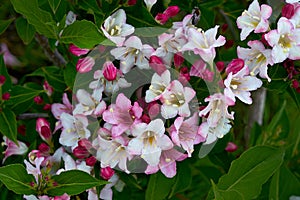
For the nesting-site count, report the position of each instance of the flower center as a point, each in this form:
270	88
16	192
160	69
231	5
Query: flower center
285	42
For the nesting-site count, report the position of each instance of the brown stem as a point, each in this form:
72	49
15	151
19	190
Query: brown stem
31	115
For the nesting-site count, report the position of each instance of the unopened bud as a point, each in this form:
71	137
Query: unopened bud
109	71
295	84
38	100
220	65
81	152
85	65
2	80
172	11
90	161
43	128
77	51
106	173
157	64
178	59
161	18
131	2
288	11
231	147
6	96
235	66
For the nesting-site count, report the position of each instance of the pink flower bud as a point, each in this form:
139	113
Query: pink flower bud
106	173
77	51
85	65
2	80
231	147
47	107
224	28
178	59
109	71
228	44
235	66
157	64
85	143
295	84
48	88
161	18
6	96
90	161
43	128
288	11
220	65
146	119
172	11
263	40
153	109
81	152
22	129
131	2
38	100
184	75
44	148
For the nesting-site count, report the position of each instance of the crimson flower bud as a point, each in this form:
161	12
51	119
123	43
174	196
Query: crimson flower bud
22	129
178	59
146	119
76	51
47	106
48	88
161	18
2	80
5	96
131	2
43	148
288	11
38	100
85	65
85	143
235	66
43	128
295	84
106	173
228	44
220	65
172	11
157	64
90	161
109	71
224	28
81	152
231	147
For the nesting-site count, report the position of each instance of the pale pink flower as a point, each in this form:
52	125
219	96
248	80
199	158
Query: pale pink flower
158	85
184	133
204	43
8	57
257	58
12	148
115	27
35	170
48	88
292	1
167	163
122	115
240	84
199	69
150	3
285	41
176	100
150	140
254	19
77	51
133	53
85	65
295	19
107	193
57	108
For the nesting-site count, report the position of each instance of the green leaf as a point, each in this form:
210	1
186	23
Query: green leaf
25	31
83	34
250	171
8	124
40	19
276	119
22	98
70	75
4	24
159	186
3	71
16	178
73	182
54	78
54	4
284	184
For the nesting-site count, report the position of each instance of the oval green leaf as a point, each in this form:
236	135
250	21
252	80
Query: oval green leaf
8	124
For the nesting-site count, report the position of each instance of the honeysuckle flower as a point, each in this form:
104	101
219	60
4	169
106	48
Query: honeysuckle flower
167	163
44	130
285	41
66	107
292	1
89	104
158	86
115	27
85	65
254	19
257	58
217	109
113	151
176	100
107	193
295	19
199	69
150	3
240	84
35	170
122	115
184	133
8	57
77	51
150	140
74	129
12	148
204	43
134	53
48	88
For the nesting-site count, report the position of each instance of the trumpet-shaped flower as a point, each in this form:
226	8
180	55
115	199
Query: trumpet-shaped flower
150	3
122	115
115	27
254	19
240	84
285	41
257	58
12	148
134	53
176	100
150	140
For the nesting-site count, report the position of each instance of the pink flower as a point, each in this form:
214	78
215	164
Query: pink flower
185	133
77	51
85	65
254	19
240	84
149	141
199	69
48	88
157	64
178	59
184	75
115	27
9	58
167	164
109	71
35	170
175	100
122	115
150	3
12	148
285	41
57	108
44	130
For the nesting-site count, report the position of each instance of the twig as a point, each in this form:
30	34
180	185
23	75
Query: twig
229	22
55	56
31	115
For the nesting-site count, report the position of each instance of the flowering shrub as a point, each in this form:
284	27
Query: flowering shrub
112	99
